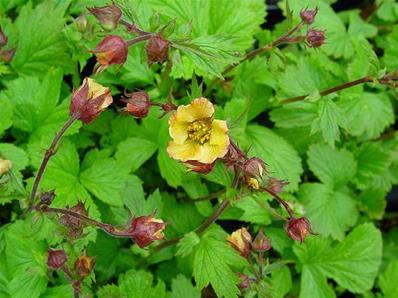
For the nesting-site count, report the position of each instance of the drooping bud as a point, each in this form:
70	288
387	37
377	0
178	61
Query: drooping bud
315	38
81	22
146	229
89	100
276	185
244	281
5	166
198	167
254	169
108	16
74	224
3	38
56	258
261	243
157	49
167	107
308	15
111	50
138	104
83	265
298	228
47	197
7	55
241	240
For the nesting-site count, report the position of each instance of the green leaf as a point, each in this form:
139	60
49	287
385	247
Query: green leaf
329	119
282	160
187	243
105	179
353	263
294	114
373	202
133	195
6	114
181	287
17	155
333	167
387	280
357	109
330	213
140	284
372	162
254	209
25	261
41	44
211	266
134	152
281	282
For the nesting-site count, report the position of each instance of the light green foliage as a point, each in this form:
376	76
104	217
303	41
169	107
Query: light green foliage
352	263
388	279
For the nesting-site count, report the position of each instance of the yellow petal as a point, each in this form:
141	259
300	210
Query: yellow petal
209	153
178	129
219	134
186	151
199	108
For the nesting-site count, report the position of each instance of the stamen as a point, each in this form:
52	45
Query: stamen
199	131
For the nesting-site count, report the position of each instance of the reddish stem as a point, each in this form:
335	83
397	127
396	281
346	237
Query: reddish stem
280	200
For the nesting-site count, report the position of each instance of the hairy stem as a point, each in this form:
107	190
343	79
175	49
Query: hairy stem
107	228
138	39
280	40
280	200
346	85
49	153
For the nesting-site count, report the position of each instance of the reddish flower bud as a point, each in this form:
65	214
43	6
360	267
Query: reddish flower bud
89	100
261	243
254	167
3	38
244	281
157	49
138	104
276	185
7	55
84	265
298	228
146	229
75	225
241	240
56	258
48	197
167	107
308	15
315	38
198	167
108	16
111	50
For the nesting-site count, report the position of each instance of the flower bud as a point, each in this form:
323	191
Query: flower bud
81	22
111	50
261	243
146	229
244	281
298	228
56	258
7	55
276	185
108	16
241	241
83	265
253	183
89	100
308	15
315	38
3	38
47	198
254	169
157	49
198	167
5	166
138	104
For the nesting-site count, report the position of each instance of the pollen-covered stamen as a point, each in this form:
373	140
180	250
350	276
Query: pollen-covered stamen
199	131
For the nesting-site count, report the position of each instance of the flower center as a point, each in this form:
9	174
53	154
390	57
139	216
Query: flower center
199	131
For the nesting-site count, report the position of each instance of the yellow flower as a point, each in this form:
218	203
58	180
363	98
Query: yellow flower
5	166
196	135
241	240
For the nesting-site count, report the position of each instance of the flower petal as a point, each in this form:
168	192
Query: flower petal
199	108
178	129
219	134
186	151
209	153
